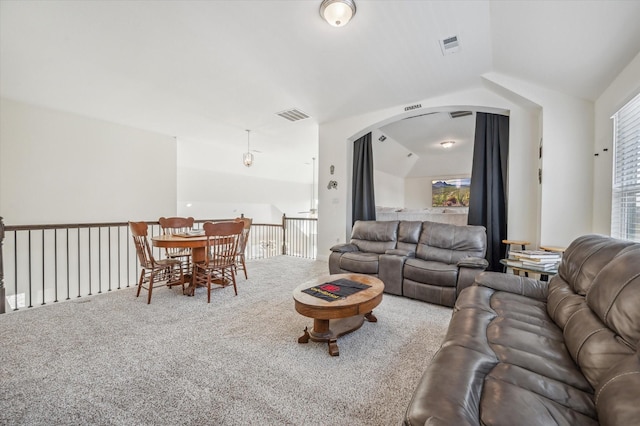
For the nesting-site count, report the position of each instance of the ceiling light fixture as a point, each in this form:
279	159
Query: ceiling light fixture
337	13
247	157
447	144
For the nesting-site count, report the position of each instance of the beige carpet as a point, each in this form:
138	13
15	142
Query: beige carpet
112	359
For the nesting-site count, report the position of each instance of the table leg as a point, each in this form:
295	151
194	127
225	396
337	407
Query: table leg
198	255
305	337
370	317
333	347
329	330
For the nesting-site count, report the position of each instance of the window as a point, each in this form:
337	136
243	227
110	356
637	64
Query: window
625	206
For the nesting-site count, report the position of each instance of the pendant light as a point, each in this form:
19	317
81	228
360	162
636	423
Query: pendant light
247	157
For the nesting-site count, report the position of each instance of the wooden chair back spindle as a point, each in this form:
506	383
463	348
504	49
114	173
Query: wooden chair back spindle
242	244
139	231
173	226
221	254
167	271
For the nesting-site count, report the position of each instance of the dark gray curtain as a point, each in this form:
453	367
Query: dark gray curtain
363	203
488	197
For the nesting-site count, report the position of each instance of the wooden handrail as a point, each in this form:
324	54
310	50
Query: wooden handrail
289	237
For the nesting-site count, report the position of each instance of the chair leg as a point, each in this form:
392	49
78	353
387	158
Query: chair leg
181	277
233	279
209	288
151	277
140	283
244	267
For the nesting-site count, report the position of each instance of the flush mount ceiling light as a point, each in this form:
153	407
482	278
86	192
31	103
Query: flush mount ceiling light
247	157
337	13
447	144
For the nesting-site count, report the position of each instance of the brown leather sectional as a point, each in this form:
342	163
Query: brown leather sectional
524	352
428	261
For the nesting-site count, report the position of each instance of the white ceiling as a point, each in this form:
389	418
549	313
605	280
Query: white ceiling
422	136
208	70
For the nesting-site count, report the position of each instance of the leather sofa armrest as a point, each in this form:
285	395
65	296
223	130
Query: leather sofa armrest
468	270
391	269
516	284
344	248
400	252
473	262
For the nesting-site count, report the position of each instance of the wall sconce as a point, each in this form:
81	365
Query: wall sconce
333	184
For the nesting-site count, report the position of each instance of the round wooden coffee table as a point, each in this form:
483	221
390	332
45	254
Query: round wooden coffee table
332	319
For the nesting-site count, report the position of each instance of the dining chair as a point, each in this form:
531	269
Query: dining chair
222	251
242	244
173	226
168	272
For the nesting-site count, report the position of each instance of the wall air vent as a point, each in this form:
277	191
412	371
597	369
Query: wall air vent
293	114
458	114
450	45
420	115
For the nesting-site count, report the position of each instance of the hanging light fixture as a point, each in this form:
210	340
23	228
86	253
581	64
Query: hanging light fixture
337	13
247	157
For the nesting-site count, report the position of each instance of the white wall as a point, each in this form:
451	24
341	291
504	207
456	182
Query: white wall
621	90
567	166
389	189
217	195
417	193
57	167
334	220
213	180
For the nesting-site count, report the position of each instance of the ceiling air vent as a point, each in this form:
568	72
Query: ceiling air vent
382	138
450	45
292	114
458	114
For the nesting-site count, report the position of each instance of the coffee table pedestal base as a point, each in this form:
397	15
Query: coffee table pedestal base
329	330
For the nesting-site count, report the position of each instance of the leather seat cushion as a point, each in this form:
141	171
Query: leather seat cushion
362	263
511	367
429	272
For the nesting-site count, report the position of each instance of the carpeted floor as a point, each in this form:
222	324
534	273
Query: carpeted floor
112	359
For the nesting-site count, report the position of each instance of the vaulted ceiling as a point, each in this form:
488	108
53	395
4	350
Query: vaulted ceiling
208	70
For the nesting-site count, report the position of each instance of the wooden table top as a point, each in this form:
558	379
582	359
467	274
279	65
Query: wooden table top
553	249
359	303
176	241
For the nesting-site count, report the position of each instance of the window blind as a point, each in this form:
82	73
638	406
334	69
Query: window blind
625	206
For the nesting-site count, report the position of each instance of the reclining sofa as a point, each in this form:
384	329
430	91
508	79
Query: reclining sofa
428	261
524	352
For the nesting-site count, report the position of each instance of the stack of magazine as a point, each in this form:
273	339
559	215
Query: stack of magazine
535	259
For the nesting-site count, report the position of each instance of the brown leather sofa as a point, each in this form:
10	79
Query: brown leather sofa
427	261
524	352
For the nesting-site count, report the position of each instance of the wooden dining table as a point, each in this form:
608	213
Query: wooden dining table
197	244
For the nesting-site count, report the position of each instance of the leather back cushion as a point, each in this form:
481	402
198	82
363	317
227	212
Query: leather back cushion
409	235
584	259
442	242
375	236
603	328
615	295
